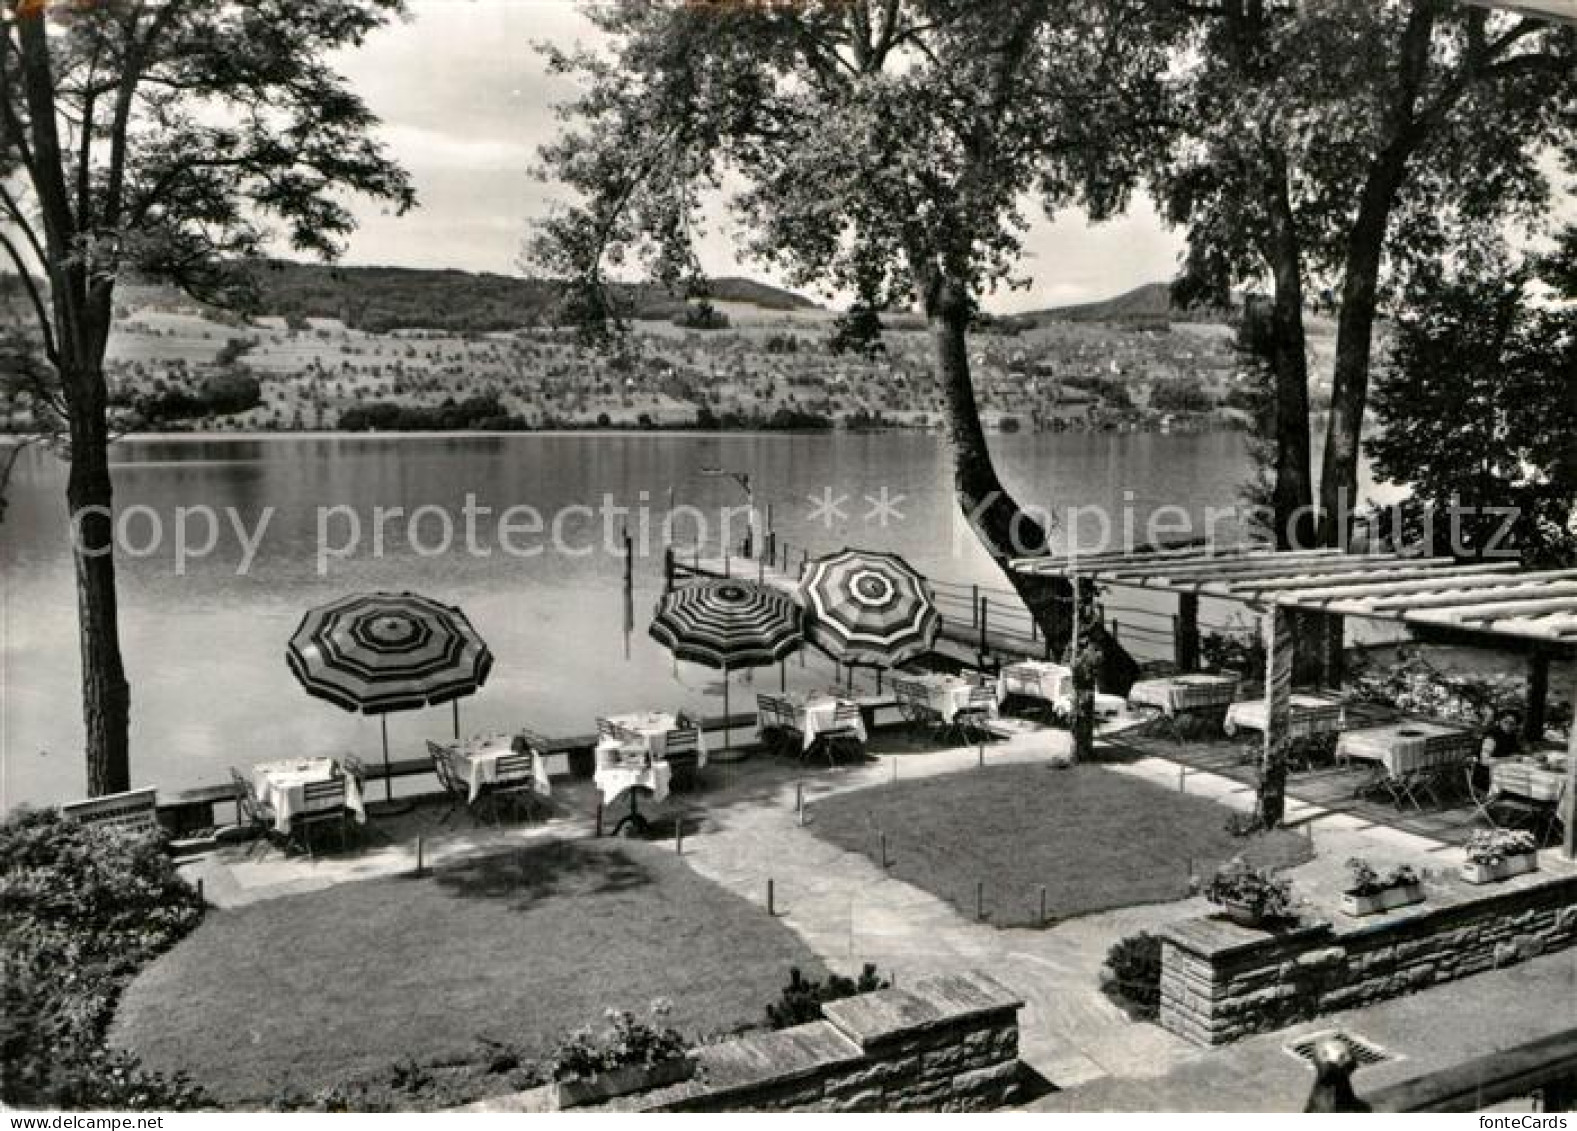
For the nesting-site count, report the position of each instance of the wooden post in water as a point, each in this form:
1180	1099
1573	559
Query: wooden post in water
980	899
772	905
1042	905
668	568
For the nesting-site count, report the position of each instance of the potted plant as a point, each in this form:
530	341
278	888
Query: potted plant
1371	893
1499	854
628	1055
1251	897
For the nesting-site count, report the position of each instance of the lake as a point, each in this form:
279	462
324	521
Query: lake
204	638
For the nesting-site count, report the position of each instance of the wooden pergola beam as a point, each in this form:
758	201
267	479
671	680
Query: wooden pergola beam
1456	597
1404	579
1278	567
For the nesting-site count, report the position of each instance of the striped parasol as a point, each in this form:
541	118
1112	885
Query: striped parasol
728	624
866	607
382	652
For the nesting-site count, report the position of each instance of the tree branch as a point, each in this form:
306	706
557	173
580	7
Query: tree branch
39	307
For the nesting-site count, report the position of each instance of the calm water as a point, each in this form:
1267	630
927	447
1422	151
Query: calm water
204	647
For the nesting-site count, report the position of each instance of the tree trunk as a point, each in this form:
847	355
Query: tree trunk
106	696
1350	381
1293	490
1003	528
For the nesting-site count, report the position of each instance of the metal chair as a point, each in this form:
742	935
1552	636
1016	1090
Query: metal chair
914	704
456	790
516	786
682	751
970	722
779	724
250	812
322	803
843	734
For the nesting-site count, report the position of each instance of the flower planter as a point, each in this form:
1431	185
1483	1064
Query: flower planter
621	1082
1388	900
1502	869
1244	914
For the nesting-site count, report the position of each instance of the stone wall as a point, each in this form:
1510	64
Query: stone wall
1220	981
944	1043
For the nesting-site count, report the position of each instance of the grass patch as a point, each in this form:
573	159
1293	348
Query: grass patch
297	994
1094	838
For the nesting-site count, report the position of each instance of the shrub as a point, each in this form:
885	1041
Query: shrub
1132	975
803	997
85	909
625	1041
1489	847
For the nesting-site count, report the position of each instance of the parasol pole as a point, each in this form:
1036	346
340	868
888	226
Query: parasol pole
725	705
455	704
388	778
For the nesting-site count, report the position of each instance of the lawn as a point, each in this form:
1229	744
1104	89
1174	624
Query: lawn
1096	839
293	994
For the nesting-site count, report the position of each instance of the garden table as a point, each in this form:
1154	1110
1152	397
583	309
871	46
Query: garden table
1402	747
1310	715
283	784
1541	780
1179	694
944	694
1036	679
477	761
632	771
651	730
815	711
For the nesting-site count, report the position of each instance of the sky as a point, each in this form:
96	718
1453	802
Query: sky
465	102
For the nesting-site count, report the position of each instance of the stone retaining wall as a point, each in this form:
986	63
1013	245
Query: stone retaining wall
945	1043
1220	981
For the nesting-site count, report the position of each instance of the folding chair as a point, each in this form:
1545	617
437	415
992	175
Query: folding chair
914	704
322	803
456	790
682	752
844	733
516	786
970	721
251	812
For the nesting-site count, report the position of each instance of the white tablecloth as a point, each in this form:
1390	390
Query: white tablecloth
477	761
283	785
1522	777
617	776
944	694
1194	691
1399	746
650	730
814	715
1311	714
1036	679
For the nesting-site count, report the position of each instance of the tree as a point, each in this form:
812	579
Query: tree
884	149
159	137
1345	143
1477	415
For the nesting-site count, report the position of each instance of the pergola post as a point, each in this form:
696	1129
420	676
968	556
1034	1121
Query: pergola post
1187	643
1083	663
1570	839
1333	666
1276	626
1538	696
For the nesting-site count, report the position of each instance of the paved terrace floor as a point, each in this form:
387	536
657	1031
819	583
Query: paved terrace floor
743	830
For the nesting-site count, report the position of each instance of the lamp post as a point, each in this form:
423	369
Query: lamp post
743	479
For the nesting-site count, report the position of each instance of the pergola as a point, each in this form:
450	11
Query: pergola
1496	600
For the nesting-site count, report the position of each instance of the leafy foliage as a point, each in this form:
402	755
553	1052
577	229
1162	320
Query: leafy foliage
1488	847
85	908
1477	417
626	1040
1364	879
1133	975
803	997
